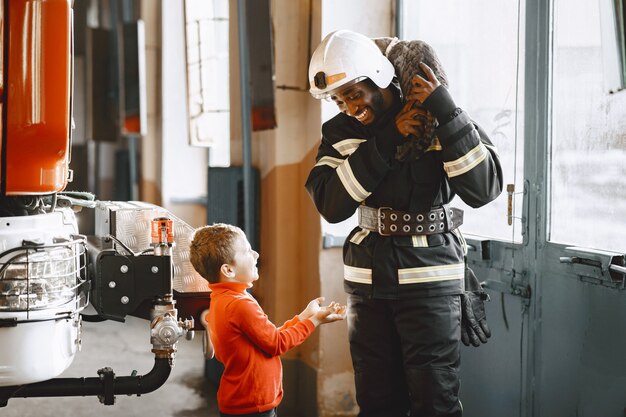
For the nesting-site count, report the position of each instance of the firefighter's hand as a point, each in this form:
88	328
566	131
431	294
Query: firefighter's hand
412	119
474	328
423	87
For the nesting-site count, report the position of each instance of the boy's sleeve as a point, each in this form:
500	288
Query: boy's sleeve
255	324
290	323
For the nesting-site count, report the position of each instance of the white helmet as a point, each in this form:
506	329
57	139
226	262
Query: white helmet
343	57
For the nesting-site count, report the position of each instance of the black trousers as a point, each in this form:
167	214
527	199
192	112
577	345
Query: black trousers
406	355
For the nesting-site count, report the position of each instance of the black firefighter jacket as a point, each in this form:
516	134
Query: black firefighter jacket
350	171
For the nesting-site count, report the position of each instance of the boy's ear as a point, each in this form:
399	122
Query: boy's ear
227	271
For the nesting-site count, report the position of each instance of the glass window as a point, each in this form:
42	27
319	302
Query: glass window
588	149
481	46
208	70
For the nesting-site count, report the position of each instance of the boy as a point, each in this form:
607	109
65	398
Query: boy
243	338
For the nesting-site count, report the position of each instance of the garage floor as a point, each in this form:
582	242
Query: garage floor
126	347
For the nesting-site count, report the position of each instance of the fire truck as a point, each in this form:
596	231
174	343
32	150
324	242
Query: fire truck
134	263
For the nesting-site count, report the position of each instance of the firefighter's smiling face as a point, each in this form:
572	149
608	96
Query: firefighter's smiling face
364	101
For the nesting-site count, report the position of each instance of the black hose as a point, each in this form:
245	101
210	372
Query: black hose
105	386
149	382
92	318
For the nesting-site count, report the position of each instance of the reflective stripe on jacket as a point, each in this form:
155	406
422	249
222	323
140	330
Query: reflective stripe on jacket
350	171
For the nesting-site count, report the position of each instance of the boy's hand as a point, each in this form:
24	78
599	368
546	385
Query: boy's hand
330	313
311	309
207	345
204	318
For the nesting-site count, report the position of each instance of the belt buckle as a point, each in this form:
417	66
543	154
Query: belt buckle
381	216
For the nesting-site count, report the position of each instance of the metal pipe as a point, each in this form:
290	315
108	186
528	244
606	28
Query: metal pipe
398	20
618	268
246	130
105	386
133	182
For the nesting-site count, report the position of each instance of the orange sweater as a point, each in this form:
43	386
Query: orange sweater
249	345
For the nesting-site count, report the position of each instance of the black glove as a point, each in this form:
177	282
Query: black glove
474	328
441	104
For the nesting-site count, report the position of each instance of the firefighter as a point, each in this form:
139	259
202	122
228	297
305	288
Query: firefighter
404	263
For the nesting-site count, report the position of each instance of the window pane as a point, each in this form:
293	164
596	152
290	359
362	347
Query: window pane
208	77
479	45
588	191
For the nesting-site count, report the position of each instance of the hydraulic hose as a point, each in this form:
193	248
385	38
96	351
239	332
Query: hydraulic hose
106	386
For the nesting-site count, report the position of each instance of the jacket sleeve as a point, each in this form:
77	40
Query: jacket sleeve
255	325
470	161
345	174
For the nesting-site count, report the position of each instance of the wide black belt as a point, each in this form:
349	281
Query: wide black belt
387	221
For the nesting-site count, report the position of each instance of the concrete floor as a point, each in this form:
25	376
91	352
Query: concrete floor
126	347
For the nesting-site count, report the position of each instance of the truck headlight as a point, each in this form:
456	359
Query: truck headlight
36	278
